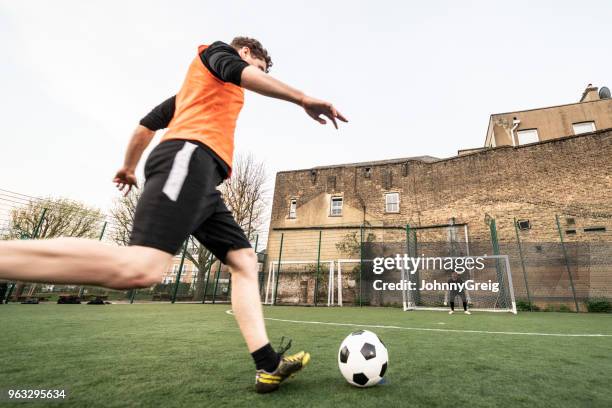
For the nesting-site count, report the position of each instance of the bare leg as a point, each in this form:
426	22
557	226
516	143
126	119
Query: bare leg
83	262
246	302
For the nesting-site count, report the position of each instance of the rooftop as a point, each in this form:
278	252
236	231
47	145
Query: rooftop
425	159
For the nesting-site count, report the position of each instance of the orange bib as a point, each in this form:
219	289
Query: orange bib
206	110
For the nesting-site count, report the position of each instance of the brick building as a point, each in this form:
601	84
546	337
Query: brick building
569	176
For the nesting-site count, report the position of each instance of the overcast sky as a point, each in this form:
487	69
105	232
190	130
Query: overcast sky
414	78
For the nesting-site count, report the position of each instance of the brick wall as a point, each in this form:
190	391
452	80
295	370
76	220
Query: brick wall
570	177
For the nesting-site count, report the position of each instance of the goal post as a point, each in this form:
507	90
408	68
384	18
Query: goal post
488	287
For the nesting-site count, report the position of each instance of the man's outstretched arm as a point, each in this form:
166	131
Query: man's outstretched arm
258	81
126	177
157	119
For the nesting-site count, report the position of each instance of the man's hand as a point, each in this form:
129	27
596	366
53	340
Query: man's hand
316	107
125	179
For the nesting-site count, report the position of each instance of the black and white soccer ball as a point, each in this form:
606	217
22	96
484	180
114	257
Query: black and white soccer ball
363	358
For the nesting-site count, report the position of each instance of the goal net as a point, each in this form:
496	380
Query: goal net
301	282
487	283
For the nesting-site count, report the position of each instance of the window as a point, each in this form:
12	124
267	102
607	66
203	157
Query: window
367	172
175	269
292	208
583	127
392	202
527	136
336	207
595	229
523	225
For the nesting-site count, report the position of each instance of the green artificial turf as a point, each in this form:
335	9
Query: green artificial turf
163	355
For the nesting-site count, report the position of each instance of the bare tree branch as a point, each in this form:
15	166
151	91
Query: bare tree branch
63	218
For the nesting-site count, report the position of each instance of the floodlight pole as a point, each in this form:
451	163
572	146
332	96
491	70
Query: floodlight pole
520	248
569	272
180	271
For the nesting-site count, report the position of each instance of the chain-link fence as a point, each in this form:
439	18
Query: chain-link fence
194	275
333	265
560	263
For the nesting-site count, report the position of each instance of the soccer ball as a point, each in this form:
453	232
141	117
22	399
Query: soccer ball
363	358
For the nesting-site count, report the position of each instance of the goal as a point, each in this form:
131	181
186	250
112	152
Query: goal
300	282
490	284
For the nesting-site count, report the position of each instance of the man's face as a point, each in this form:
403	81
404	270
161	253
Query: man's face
245	54
455	275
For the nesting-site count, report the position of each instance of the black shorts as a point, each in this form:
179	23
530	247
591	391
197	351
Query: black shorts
180	198
453	294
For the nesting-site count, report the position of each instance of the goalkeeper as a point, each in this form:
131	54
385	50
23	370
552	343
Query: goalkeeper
456	287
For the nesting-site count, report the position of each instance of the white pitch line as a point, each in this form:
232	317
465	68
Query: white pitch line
434	330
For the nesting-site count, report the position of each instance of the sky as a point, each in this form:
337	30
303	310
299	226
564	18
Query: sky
413	78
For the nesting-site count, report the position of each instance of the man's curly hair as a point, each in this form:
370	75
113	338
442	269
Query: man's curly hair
257	50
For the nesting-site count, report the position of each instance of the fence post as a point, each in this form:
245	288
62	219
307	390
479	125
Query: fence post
316	285
278	270
180	271
520	248
259	274
9	292
216	282
360	263
569	273
208	268
39	225
495	244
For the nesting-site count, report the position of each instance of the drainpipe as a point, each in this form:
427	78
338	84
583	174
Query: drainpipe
515	124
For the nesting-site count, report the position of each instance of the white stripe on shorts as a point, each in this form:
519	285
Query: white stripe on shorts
179	171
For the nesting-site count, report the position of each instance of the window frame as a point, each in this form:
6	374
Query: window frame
591	122
331	205
524	131
523	224
387	203
293	208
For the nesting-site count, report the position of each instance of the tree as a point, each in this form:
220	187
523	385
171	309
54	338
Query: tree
62	218
203	260
244	193
51	218
122	214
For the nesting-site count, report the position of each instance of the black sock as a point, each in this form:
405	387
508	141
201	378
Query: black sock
452	305
266	358
464	306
